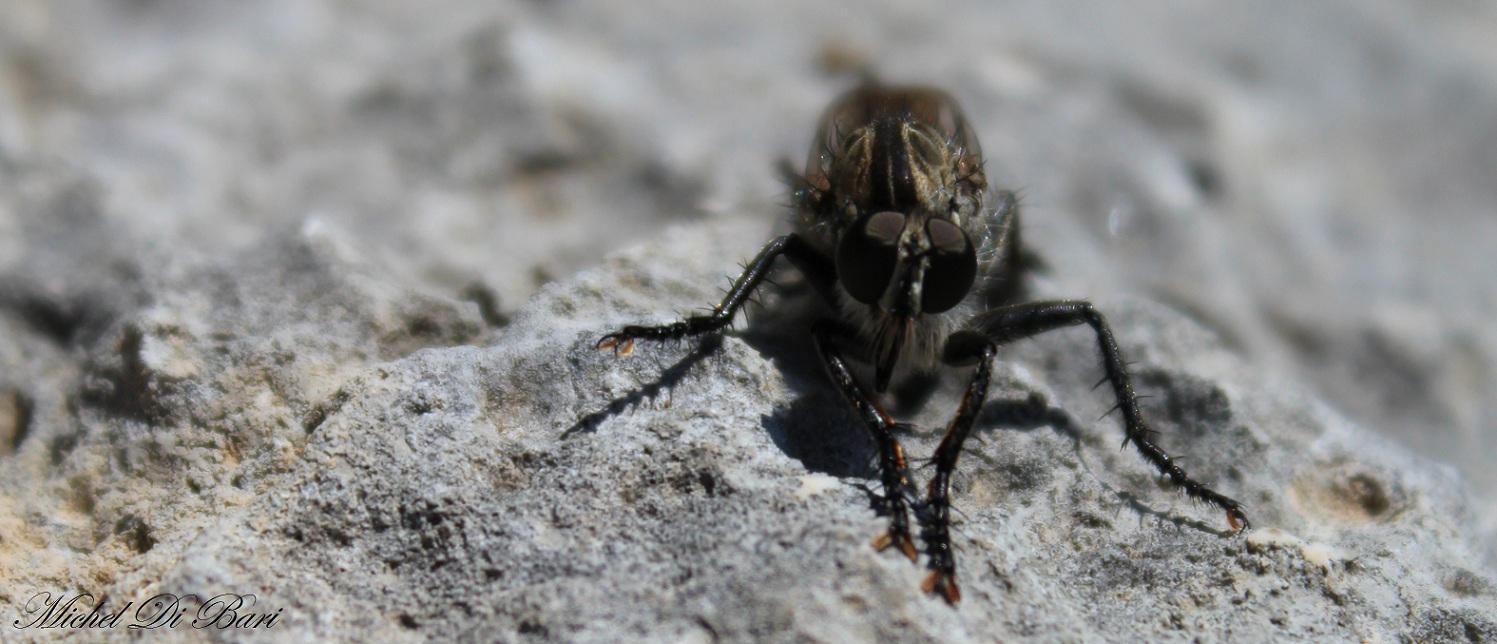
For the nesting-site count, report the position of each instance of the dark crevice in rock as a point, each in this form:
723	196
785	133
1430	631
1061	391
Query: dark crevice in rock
320	412
16	411
64	320
488	304
429	323
63	445
50	318
136	534
122	384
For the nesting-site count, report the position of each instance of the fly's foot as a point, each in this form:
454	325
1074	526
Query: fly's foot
621	342
943	583
894	504
1238	520
898	538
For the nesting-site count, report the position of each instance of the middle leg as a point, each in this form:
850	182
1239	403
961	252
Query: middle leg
1020	321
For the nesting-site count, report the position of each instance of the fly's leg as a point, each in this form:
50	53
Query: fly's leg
935	514
894	473
1020	321
817	269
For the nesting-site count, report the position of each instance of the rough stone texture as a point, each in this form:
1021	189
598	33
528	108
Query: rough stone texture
290	304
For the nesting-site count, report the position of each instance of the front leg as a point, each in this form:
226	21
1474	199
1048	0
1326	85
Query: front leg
935	514
1026	320
817	269
894	473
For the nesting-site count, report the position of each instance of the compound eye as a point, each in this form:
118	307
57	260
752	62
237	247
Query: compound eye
867	254
951	267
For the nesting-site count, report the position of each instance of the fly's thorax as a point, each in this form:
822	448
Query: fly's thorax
894	165
879	148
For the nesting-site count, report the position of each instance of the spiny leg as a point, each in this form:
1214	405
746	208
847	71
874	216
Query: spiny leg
1025	320
935	514
893	471
817	269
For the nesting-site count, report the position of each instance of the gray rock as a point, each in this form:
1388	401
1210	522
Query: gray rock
433	494
261	324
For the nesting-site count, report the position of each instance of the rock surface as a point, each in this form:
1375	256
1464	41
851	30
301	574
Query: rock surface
261	325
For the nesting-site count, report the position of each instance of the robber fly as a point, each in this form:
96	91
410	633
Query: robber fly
898	232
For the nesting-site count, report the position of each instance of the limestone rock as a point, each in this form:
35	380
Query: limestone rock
300	300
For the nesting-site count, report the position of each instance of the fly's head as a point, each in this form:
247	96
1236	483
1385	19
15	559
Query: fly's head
898	186
904	271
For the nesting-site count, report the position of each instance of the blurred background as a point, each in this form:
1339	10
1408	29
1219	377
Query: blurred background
1315	182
